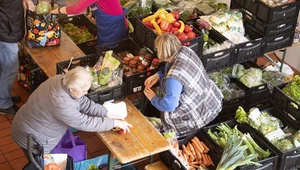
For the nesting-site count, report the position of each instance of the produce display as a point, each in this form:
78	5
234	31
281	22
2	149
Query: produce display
189	9
142	62
249	77
223	133
229	23
106	72
280	135
193	155
234	154
274	3
78	34
163	21
293	90
229	90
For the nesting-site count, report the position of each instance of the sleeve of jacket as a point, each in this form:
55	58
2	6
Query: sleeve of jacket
71	115
91	108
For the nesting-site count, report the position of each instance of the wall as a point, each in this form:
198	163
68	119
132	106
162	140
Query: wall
293	54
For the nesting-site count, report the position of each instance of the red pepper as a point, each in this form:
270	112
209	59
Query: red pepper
169	28
175	14
164	25
174	30
149	25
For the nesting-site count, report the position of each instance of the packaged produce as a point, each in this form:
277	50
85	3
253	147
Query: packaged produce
110	64
43	7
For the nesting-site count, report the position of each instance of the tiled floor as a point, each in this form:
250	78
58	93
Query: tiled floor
11	155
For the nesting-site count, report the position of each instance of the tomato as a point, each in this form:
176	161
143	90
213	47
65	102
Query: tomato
182	36
188	28
164	25
174	30
176	24
191	35
149	25
121	131
175	14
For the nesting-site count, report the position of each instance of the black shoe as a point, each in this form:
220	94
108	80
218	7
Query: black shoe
15	99
11	111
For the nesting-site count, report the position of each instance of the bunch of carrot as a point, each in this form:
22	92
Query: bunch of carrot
195	153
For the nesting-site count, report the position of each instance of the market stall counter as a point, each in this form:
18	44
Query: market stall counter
47	57
142	141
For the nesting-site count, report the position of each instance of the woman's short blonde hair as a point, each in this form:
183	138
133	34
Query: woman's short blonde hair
167	45
77	79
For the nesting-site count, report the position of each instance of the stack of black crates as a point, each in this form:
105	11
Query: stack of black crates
277	24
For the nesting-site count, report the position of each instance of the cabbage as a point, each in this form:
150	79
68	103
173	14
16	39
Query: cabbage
284	145
43	7
252	77
296	139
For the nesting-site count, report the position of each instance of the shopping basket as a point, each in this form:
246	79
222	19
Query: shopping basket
34	147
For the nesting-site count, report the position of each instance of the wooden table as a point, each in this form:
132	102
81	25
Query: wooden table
142	141
47	57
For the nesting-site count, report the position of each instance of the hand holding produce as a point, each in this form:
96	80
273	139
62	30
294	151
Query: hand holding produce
43	7
121	124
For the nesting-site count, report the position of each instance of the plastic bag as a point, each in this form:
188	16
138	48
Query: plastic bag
100	160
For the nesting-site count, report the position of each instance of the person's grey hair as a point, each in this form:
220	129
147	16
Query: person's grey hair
77	79
167	45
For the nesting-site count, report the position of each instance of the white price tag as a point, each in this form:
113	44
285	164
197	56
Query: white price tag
277	134
254	114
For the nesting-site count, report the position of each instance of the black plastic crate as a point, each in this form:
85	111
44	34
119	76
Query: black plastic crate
269	163
218	60
270	30
251	49
145	36
173	163
134	82
110	93
229	107
82	20
286	103
279	41
287	160
258	94
267	14
279	98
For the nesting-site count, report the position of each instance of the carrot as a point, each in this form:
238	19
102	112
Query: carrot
189	145
199	143
185	150
192	157
204	159
206	149
198	154
195	143
196	166
185	156
210	161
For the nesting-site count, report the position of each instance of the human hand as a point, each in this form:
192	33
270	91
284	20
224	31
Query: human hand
28	4
149	93
122	125
150	81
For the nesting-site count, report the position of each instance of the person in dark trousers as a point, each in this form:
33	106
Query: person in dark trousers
190	100
12	30
110	18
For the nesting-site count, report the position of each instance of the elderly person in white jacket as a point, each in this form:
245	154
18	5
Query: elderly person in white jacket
58	104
